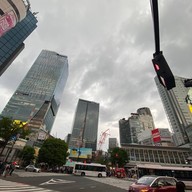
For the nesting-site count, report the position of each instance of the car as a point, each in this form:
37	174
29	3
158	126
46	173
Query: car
32	168
153	183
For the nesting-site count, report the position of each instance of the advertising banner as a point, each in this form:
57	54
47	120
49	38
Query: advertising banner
7	21
156	135
189	99
84	153
165	135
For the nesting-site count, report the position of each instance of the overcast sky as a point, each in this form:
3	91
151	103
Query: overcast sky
109	44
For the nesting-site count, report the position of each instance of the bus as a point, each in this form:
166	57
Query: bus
89	169
181	173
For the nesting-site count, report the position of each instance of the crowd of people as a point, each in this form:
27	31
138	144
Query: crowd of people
6	168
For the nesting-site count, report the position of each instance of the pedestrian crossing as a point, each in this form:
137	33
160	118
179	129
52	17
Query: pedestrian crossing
8	186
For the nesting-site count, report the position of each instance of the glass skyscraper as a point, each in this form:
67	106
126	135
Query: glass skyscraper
177	110
85	127
38	96
11	43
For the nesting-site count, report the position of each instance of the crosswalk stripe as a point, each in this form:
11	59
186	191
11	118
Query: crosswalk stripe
19	187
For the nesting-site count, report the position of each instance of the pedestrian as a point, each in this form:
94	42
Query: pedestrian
6	170
2	167
12	168
180	186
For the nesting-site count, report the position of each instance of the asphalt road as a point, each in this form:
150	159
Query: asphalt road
22	181
67	183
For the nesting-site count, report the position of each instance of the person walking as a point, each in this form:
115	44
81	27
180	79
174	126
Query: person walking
6	170
180	186
12	168
2	167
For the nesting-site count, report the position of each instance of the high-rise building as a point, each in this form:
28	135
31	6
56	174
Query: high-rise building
11	43
177	110
67	138
146	118
37	98
113	143
12	12
129	129
85	127
158	137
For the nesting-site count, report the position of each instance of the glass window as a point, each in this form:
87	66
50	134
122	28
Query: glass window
170	182
145	180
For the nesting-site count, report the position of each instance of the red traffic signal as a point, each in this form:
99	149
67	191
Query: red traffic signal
163	71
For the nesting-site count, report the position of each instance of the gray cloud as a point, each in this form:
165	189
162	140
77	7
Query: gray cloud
109	45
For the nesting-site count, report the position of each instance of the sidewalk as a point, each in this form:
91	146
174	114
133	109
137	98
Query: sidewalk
188	184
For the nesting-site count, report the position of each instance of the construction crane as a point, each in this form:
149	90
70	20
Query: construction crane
102	138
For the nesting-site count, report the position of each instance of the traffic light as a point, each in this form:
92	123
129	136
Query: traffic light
163	71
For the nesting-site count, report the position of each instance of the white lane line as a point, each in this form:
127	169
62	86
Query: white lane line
56	181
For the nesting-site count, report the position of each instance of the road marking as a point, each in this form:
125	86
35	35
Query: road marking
19	187
56	181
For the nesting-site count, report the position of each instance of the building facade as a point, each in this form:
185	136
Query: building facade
130	129
177	110
12	12
156	137
37	98
85	127
157	155
11	43
113	143
146	118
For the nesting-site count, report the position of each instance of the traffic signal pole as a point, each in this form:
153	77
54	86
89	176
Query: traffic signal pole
161	67
155	16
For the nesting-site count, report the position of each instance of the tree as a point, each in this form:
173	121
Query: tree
118	157
53	152
99	158
9	129
27	155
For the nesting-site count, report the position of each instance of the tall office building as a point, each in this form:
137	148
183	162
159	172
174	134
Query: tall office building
11	43
178	112
129	129
113	143
37	98
85	127
146	118
12	12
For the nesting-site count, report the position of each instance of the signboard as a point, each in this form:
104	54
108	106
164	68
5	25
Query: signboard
84	153
156	135
160	135
189	99
165	135
7	21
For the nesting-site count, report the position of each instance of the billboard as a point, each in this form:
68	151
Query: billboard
165	135
156	135
7	21
21	124
189	99
160	135
83	153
